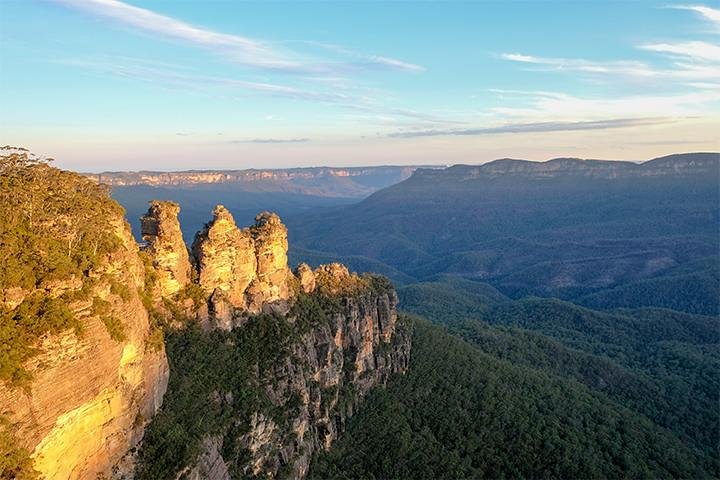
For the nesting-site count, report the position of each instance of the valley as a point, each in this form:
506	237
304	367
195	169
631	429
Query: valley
554	320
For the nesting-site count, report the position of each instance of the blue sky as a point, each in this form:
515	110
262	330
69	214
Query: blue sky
110	85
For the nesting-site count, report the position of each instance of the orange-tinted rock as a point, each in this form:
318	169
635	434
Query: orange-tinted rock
225	256
165	245
91	397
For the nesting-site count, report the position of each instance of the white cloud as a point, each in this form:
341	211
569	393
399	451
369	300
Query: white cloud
634	70
562	107
698	51
711	14
236	48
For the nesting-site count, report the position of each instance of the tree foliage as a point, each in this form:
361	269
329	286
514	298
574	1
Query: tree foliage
55	226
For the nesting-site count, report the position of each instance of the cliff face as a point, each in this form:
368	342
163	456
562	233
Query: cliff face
91	395
319	181
332	366
289	393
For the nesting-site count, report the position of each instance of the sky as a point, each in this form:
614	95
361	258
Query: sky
172	85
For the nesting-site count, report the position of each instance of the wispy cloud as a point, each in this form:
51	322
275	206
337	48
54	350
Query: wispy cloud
698	51
176	77
538	127
538	106
711	14
633	69
250	52
273	140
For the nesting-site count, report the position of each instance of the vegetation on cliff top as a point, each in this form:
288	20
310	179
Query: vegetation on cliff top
55	230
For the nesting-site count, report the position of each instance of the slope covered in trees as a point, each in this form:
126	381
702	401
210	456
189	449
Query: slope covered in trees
463	411
660	363
56	227
565	228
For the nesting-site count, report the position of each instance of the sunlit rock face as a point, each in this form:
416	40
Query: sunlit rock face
161	230
91	396
243	271
226	262
306	277
271	285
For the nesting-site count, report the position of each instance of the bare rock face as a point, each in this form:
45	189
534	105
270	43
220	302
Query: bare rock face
225	256
91	396
161	230
271	284
306	277
318	385
210	464
243	271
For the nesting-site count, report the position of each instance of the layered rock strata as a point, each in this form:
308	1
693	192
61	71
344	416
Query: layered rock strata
243	271
91	396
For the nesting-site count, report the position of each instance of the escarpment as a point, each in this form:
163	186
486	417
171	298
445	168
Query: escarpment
153	361
261	399
81	373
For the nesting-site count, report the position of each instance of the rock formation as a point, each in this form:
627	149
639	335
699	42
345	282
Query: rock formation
91	396
306	277
271	283
161	230
243	271
314	387
226	262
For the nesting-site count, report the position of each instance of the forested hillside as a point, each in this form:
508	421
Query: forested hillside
468	411
566	228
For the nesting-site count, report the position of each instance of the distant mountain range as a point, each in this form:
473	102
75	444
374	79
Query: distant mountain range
315	181
566	227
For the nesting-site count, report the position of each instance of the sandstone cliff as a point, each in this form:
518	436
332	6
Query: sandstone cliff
317	181
91	395
288	386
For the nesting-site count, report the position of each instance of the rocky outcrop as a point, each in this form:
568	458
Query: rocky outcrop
161	230
318	384
91	395
306	277
226	261
271	285
243	271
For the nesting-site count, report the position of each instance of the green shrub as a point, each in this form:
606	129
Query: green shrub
55	225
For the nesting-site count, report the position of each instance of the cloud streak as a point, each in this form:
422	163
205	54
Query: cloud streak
538	127
238	49
697	51
635	69
273	140
711	14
